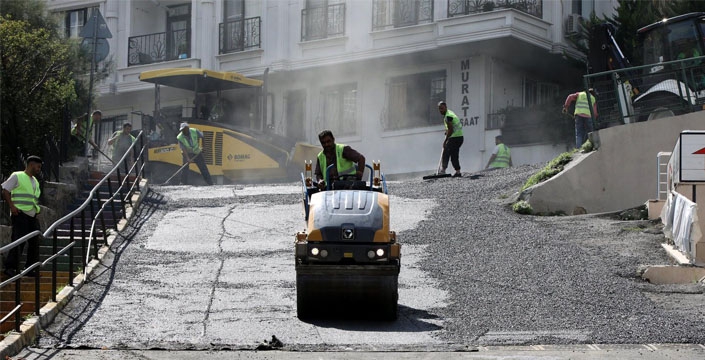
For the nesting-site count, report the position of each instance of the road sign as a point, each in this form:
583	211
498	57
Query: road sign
89	29
102	48
692	156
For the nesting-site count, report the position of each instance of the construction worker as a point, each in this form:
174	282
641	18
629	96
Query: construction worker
21	192
453	139
191	152
582	116
344	157
82	131
501	155
121	142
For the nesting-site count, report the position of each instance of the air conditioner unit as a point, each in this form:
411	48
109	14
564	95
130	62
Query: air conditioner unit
572	25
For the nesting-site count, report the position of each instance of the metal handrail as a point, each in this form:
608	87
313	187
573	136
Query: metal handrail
466	7
618	89
52	231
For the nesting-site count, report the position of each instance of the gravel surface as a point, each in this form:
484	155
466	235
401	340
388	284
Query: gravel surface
568	279
510	278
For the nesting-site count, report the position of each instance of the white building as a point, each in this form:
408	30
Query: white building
370	70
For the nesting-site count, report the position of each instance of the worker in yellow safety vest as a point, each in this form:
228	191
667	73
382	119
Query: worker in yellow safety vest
191	152
501	155
581	115
453	139
344	157
82	129
21	192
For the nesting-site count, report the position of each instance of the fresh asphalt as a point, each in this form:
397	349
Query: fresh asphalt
211	269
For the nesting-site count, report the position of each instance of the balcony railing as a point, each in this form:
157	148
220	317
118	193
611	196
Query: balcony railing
388	14
465	7
322	22
159	47
240	35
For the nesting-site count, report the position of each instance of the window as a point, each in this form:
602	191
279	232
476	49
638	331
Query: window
399	13
237	33
322	19
340	109
234	10
73	22
536	93
413	100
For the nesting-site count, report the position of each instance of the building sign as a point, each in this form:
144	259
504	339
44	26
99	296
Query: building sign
465	119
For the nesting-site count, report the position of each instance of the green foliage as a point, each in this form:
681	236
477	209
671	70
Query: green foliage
631	15
40	74
522	207
635	14
587	146
553	167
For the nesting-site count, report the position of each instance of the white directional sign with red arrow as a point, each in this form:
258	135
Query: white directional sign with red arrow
692	156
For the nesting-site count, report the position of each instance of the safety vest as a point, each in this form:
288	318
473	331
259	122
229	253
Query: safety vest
115	144
193	149
343	165
78	130
582	107
501	160
24	196
457	125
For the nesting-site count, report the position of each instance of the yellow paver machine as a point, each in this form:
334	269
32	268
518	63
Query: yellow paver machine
228	108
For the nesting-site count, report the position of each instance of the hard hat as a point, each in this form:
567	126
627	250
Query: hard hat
182	126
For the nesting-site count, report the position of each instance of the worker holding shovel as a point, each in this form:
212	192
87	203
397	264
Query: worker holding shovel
192	152
82	129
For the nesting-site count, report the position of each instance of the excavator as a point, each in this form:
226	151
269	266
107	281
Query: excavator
237	144
671	80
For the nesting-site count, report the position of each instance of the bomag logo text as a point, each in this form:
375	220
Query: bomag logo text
239	157
165	150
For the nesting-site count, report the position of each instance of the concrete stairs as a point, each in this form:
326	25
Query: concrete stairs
77	229
27	295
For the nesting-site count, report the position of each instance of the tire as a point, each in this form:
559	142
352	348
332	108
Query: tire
389	301
659	106
304	309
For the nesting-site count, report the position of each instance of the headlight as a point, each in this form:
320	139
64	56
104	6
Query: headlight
371	254
324	253
380	252
314	251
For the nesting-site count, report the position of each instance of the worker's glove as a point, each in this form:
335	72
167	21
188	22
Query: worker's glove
321	184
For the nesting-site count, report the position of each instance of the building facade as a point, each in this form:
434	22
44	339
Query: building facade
372	71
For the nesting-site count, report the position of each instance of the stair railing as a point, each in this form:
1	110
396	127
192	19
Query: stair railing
124	192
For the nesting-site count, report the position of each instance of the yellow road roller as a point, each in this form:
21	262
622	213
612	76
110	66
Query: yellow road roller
347	256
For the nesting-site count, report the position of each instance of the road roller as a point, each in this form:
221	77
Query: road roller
347	260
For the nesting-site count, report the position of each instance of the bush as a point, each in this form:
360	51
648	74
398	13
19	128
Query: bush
522	207
554	167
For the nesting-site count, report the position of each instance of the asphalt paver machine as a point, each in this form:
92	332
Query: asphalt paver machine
347	258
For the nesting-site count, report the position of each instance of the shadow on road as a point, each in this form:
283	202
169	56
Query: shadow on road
86	302
363	319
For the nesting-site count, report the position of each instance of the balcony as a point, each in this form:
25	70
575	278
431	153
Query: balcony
466	7
239	35
159	47
389	14
322	22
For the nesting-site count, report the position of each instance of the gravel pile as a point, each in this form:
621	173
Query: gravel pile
567	279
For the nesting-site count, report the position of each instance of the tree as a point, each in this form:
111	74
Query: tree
38	78
635	14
